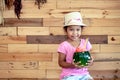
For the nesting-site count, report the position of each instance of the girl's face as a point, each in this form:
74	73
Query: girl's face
74	32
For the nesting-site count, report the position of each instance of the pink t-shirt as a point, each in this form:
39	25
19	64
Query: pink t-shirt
67	49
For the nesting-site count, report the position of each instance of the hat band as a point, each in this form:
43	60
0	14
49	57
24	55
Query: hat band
73	20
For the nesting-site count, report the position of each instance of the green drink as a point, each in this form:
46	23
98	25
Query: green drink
81	58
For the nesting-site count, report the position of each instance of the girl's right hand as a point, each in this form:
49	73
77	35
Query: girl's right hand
77	66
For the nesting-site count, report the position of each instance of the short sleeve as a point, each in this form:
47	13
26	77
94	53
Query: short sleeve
62	48
89	46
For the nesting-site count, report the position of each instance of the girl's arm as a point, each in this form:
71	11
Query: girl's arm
62	61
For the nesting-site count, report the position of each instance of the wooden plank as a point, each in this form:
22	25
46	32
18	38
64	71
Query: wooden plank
113	39
55	39
47	65
35	13
107	4
22	48
59	13
22	73
6	31
106	74
106	56
12	39
45	39
110	48
28	22
53	21
33	30
10	15
105	22
87	13
53	73
93	22
3	48
48	48
101	31
105	65
18	65
89	31
26	57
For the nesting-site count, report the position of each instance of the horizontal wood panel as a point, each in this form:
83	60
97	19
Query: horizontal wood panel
29	22
5	31
102	30
53	21
22	65
14	22
48	48
22	48
113	65
12	39
88	13
3	48
99	39
33	30
26	57
22	73
105	74
107	4
113	39
110	48
59	13
93	22
103	22
100	13
106	56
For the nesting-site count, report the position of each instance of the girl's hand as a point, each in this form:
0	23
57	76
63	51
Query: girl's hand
76	65
90	62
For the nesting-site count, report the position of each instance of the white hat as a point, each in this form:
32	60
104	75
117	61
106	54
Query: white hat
73	18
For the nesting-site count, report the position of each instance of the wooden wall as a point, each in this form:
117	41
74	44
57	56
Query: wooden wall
28	47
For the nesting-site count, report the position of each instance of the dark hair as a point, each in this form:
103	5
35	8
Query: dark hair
65	28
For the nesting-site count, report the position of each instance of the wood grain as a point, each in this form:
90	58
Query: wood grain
33	30
26	57
3	48
13	22
56	39
12	39
7	31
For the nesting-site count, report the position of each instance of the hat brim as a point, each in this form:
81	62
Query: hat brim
78	24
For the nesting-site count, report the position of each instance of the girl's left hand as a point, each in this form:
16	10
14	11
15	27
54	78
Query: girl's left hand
90	62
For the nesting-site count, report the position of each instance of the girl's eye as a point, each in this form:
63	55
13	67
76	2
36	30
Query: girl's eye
71	29
78	29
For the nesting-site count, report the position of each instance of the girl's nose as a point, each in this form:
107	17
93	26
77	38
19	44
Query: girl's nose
75	32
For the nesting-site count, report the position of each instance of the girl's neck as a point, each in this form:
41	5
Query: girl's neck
75	43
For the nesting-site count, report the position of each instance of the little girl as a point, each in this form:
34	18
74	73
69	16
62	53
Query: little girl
73	28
